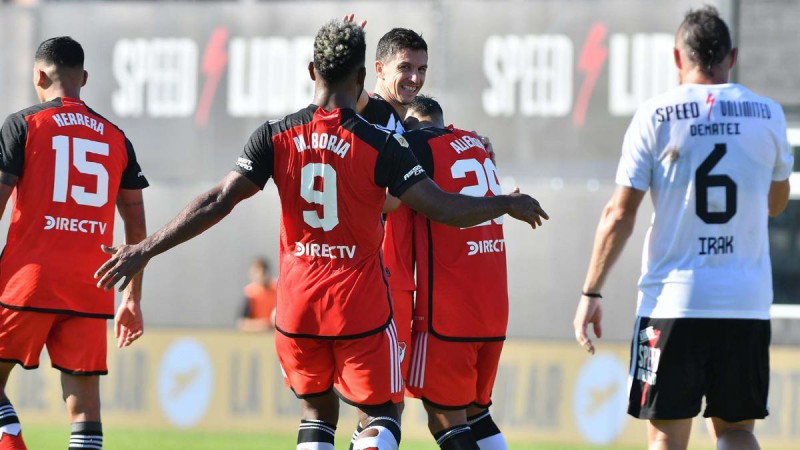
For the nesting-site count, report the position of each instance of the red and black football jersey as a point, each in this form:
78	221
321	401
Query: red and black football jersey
398	244
462	289
332	169
71	162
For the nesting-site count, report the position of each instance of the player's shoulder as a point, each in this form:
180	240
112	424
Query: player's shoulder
22	114
745	94
96	114
296	119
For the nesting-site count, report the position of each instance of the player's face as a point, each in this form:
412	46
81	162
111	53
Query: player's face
403	75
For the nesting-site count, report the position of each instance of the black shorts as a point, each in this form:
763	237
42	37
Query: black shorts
676	362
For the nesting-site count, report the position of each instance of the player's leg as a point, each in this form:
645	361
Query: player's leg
22	336
82	396
669	360
308	369
733	435
485	430
450	428
668	434
445	376
77	347
318	418
740	371
368	377
10	429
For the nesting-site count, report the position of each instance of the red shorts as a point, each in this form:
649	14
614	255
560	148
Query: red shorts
363	371
403	306
452	375
76	345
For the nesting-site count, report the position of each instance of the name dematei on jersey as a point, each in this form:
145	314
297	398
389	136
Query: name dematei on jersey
708	154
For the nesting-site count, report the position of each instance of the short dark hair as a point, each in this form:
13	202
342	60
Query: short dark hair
62	51
426	106
398	39
706	37
339	49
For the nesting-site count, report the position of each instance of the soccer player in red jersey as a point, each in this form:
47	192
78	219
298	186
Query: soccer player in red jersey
335	335
461	311
401	62
67	167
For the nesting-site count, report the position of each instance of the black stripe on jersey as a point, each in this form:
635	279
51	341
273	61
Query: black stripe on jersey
419	140
431	329
361	406
58	311
339	338
17	361
445	407
379	112
313	394
14	135
130	175
80	373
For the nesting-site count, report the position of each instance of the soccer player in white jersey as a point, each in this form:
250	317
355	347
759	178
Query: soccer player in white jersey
716	160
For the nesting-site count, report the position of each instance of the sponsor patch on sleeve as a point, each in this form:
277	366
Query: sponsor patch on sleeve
245	164
417	170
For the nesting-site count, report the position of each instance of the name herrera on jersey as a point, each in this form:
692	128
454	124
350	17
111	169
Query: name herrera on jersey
74	225
323	141
70	119
324	250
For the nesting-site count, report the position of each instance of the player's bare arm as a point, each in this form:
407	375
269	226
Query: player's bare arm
201	214
129	321
7	183
466	211
615	227
778	197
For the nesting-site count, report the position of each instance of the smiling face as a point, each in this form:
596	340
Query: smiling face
401	76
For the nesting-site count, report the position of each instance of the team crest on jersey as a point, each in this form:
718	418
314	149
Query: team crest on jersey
403	347
401	140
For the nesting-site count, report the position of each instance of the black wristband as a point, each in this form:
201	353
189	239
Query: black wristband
591	294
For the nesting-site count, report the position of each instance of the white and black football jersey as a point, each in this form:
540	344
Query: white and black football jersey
708	154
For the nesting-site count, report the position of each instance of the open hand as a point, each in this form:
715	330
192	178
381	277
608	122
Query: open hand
527	209
126	261
589	311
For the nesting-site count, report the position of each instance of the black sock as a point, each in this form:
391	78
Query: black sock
315	431
456	438
86	435
9	422
355	435
483	425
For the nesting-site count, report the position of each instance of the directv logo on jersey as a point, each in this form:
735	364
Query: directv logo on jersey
488	246
324	250
417	170
245	164
74	225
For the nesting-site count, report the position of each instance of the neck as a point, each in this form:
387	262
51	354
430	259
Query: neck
57	90
398	107
697	76
331	98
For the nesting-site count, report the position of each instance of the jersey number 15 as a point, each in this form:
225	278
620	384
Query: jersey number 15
80	148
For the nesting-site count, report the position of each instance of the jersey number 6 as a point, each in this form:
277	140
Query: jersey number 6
704	181
80	147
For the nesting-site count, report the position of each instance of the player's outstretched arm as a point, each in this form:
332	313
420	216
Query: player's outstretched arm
466	211
201	214
129	321
615	227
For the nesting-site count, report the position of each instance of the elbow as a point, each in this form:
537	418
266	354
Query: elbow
619	221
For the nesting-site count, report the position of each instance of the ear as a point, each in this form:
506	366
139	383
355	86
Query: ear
379	69
85	78
676	55
311	71
42	80
734	56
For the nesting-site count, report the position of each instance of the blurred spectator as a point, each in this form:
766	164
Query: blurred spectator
258	307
